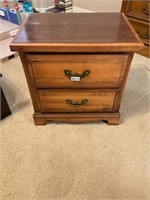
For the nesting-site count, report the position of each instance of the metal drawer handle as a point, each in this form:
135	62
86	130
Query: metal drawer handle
145	10
76	76
80	103
142	35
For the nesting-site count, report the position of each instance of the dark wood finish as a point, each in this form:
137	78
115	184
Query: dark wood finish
4	107
75	32
138	13
100	43
75	28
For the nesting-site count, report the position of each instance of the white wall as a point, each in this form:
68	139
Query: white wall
99	5
42	3
94	5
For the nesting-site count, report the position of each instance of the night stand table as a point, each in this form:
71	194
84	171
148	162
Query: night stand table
76	64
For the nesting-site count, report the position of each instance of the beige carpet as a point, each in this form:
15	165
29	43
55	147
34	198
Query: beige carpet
91	161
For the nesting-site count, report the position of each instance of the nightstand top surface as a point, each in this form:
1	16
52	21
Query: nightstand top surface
75	29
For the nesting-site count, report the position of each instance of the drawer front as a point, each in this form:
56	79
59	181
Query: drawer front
67	100
77	71
142	28
138	9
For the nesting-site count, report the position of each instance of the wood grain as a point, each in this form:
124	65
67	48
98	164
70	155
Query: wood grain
98	100
76	32
138	9
47	71
142	28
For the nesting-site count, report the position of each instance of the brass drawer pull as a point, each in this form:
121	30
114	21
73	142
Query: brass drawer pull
76	76
142	35
145	10
82	102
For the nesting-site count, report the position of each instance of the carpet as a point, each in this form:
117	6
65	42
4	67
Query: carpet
88	161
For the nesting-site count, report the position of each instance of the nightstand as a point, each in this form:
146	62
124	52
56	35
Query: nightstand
76	64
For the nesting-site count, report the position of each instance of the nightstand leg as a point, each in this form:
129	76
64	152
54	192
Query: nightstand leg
39	122
113	121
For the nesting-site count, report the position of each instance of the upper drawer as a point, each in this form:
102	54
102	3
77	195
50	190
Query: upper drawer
138	9
77	71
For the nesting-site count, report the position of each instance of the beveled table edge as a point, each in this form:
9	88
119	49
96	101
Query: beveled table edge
76	47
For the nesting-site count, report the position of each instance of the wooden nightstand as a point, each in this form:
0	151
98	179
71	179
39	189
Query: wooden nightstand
76	65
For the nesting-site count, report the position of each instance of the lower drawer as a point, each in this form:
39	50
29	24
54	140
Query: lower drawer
67	100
